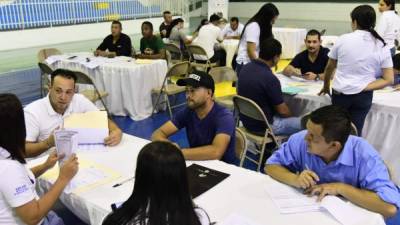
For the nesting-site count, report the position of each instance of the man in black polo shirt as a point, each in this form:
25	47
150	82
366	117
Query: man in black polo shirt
310	63
115	44
165	25
258	83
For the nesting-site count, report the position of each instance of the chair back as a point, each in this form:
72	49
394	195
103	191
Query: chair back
249	108
83	78
46	52
240	144
196	50
178	69
173	48
44	68
221	74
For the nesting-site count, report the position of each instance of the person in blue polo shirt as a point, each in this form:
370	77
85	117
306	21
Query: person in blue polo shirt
310	63
210	127
326	160
259	84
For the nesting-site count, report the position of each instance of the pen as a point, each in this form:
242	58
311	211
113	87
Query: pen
123	182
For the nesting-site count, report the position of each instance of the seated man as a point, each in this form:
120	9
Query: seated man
210	127
115	44
258	83
233	30
310	63
166	24
151	46
327	160
210	35
45	115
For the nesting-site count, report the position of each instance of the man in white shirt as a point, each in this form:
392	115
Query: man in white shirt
45	115
210	35
233	30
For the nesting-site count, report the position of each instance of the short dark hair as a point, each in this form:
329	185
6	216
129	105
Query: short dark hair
148	23
269	48
335	122
116	22
63	73
166	12
314	32
392	4
214	17
235	19
12	127
396	61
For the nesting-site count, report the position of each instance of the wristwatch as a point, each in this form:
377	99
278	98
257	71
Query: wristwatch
317	78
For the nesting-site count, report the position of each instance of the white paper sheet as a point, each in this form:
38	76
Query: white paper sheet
237	219
66	143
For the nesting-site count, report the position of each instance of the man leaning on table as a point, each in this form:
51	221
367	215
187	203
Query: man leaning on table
210	127
310	63
115	44
326	160
44	116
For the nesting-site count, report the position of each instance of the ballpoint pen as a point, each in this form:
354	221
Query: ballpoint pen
123	182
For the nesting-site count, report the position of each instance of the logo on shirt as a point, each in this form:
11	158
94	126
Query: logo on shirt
19	190
195	77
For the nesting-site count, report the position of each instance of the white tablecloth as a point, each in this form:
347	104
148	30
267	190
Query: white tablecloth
242	192
292	40
381	127
230	46
128	84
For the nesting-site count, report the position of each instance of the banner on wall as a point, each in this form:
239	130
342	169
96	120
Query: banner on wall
217	7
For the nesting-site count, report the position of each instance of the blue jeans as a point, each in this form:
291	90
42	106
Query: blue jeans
358	105
393	51
286	126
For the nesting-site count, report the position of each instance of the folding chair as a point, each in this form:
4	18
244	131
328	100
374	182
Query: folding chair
46	52
223	74
175	53
240	145
199	58
45	72
92	95
250	109
168	88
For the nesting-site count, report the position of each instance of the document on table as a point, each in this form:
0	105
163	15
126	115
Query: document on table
237	219
89	176
290	200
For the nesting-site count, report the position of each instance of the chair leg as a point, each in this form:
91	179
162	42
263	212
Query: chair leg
243	157
262	152
169	106
158	100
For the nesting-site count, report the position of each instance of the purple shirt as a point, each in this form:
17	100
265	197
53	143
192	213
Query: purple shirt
202	132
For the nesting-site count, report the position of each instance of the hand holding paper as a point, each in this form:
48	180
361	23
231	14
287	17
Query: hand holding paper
66	144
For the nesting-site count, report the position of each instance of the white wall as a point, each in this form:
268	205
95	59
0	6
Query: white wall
300	11
48	36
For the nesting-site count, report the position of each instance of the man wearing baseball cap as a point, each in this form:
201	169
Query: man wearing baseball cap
210	127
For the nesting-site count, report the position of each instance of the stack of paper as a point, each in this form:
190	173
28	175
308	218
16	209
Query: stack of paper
92	127
89	176
66	143
292	90
144	61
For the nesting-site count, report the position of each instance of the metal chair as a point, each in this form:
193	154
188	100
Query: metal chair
250	109
174	51
223	74
92	95
45	72
168	88
196	51
46	52
240	145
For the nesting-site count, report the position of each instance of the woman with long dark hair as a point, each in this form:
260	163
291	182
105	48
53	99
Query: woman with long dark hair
161	194
358	58
257	29
19	202
389	24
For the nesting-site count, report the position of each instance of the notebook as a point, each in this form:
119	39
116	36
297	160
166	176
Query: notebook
202	179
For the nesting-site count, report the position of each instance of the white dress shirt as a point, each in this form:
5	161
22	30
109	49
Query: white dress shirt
389	27
228	32
360	58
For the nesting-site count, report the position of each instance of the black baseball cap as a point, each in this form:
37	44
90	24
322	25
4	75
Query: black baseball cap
198	79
